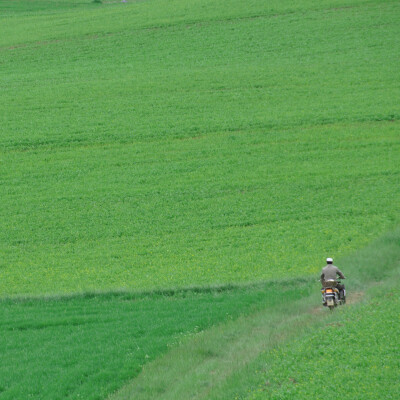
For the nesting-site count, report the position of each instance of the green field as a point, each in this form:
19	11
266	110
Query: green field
293	348
355	355
208	343
86	347
170	167
240	148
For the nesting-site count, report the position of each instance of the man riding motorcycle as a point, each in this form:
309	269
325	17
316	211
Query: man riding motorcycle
331	272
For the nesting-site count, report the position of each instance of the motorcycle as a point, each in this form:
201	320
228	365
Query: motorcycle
330	294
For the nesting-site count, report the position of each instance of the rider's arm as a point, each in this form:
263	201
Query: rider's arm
340	273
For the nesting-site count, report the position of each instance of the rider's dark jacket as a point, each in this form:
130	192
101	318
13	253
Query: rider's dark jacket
330	272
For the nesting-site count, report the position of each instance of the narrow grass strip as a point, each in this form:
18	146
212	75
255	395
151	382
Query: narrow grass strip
126	294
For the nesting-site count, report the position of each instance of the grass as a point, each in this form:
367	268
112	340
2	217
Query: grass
290	342
201	365
18	8
358	350
194	148
206	342
88	346
150	146
114	17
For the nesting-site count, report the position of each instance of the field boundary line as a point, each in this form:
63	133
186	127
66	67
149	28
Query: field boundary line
159	292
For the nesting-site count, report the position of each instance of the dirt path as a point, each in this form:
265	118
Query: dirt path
354	297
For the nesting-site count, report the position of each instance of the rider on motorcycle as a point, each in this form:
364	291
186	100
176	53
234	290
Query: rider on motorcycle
331	272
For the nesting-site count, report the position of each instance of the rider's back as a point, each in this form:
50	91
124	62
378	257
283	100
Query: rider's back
330	272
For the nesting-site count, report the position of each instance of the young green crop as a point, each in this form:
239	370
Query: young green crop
165	144
353	356
89	346
238	149
230	360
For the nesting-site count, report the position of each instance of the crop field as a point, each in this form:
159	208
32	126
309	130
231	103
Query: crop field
186	153
88	346
294	348
167	167
362	345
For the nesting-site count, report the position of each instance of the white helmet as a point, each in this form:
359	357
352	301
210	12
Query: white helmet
329	260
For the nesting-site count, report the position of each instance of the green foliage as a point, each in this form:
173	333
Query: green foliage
233	359
114	17
38	7
243	148
354	356
89	346
162	144
374	263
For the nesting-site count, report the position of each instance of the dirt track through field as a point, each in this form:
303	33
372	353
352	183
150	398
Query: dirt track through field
355	297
